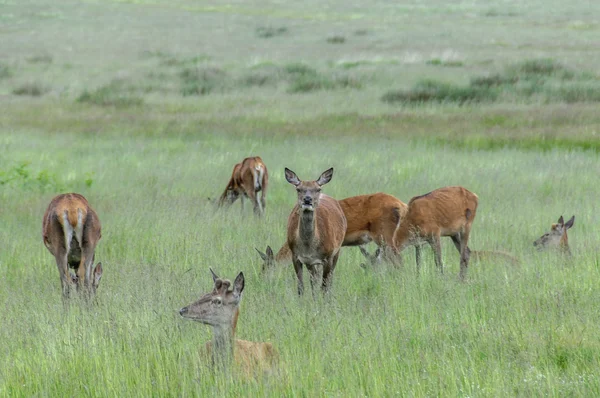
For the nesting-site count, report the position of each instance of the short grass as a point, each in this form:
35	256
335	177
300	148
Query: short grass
145	106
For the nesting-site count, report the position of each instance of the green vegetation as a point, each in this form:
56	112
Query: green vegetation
147	119
537	78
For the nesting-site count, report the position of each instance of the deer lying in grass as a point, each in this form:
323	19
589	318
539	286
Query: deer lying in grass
71	230
316	229
220	309
370	218
556	237
448	211
248	179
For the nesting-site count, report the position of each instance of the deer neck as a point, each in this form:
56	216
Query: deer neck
564	244
223	343
307	226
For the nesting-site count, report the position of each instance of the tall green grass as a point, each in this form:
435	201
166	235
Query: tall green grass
528	330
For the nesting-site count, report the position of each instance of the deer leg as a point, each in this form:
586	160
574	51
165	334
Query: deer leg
63	270
263	200
255	203
418	257
434	241
465	254
298	269
242	201
314	275
328	273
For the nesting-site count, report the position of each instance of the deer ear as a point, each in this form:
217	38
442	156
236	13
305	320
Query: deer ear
561	221
261	254
325	177
238	284
97	274
378	253
291	177
269	251
570	223
364	251
214	276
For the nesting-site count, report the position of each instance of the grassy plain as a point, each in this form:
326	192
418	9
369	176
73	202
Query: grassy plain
144	107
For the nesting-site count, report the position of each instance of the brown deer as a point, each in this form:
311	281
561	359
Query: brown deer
448	211
556	237
71	230
370	218
220	309
316	229
248	179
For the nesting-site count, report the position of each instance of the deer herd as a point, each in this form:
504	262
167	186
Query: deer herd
318	227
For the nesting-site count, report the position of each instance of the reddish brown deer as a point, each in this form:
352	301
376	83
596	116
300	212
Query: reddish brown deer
316	229
448	211
71	230
370	218
556	237
248	179
220	309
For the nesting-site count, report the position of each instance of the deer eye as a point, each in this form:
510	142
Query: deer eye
217	301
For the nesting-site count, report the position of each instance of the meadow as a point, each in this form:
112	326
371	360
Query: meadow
145	106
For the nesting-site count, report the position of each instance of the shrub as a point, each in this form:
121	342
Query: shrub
494	80
336	39
5	71
112	94
201	81
32	89
435	91
40	59
266	32
439	62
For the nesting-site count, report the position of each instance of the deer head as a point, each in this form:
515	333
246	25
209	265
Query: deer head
95	279
309	192
557	236
268	258
372	259
218	308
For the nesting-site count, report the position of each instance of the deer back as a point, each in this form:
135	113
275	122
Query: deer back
70	212
445	211
372	217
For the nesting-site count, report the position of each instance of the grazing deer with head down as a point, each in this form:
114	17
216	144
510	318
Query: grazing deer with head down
220	309
370	218
448	211
71	230
556	237
248	179
316	229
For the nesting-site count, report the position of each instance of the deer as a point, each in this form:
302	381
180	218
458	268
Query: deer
220	309
370	218
70	231
447	211
315	230
247	179
556	237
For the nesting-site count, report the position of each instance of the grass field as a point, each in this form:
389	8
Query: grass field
145	106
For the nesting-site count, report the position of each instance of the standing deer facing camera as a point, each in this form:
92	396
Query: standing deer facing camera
448	211
220	309
316	229
71	230
247	179
557	237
